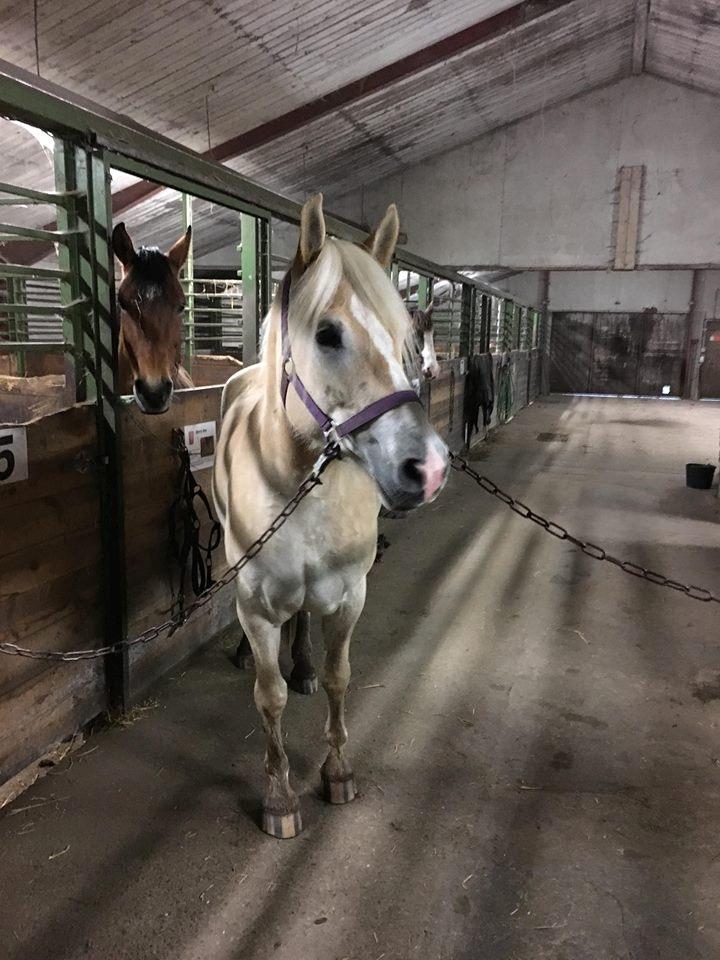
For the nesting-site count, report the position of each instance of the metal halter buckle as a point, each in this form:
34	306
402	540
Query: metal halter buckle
331	435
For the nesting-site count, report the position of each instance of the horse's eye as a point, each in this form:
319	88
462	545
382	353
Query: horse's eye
329	335
181	308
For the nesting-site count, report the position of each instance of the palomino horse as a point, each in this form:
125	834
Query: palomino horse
151	302
340	325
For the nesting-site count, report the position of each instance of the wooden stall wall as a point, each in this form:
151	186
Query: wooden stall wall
520	379
526	379
443	399
150	482
50	588
50	569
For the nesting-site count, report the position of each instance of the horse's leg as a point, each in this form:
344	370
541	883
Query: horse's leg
281	813
243	654
303	678
336	773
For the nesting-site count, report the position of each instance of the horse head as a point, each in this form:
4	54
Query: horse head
349	333
425	340
151	303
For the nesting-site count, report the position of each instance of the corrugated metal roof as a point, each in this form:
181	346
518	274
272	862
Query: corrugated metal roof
684	42
205	70
563	54
202	71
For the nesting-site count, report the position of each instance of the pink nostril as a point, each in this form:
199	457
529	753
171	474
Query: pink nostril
434	471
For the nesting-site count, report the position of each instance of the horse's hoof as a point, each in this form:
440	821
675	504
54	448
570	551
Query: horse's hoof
339	791
282	826
304	685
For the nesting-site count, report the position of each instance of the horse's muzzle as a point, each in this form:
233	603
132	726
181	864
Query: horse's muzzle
153	397
405	456
419	480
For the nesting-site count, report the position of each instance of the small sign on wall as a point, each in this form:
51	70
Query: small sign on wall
13	454
200	439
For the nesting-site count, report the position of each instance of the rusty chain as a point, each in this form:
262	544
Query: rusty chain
169	626
330	453
589	549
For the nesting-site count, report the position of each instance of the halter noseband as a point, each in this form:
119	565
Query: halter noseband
331	430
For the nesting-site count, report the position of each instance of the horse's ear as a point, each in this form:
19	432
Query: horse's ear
178	252
429	310
312	230
122	245
382	243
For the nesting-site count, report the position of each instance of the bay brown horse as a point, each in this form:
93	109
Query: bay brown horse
151	304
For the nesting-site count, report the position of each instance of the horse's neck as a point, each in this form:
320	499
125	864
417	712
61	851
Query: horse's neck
286	455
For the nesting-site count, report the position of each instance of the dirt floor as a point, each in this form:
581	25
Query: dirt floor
535	738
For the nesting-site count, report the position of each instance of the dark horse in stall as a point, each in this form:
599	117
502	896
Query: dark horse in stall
151	303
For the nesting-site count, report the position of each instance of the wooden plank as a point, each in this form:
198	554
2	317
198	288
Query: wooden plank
623	215
46	709
51	517
76	625
636	181
49	588
39	563
629	190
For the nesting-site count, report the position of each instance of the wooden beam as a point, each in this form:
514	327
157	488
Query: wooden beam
629	187
640	36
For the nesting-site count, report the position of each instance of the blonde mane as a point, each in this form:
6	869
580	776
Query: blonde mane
312	295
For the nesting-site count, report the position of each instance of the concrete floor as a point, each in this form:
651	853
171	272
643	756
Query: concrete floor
535	738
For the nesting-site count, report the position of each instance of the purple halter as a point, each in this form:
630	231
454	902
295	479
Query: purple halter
331	430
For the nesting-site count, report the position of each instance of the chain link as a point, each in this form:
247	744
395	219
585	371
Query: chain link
330	453
169	626
588	548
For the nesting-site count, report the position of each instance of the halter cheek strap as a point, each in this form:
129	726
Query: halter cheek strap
290	376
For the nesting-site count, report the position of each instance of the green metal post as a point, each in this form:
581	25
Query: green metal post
467	318
71	178
395	273
506	327
423	291
110	472
264	268
249	276
17	324
189	277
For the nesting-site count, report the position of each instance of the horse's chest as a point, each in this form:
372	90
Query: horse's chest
313	565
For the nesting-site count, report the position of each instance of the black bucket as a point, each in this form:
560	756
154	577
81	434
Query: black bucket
699	475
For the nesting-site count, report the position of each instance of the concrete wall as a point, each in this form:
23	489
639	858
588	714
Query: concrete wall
525	287
668	291
541	193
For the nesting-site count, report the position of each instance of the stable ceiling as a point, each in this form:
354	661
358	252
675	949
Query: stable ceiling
289	94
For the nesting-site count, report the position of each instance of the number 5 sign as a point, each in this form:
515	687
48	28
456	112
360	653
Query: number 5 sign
13	454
